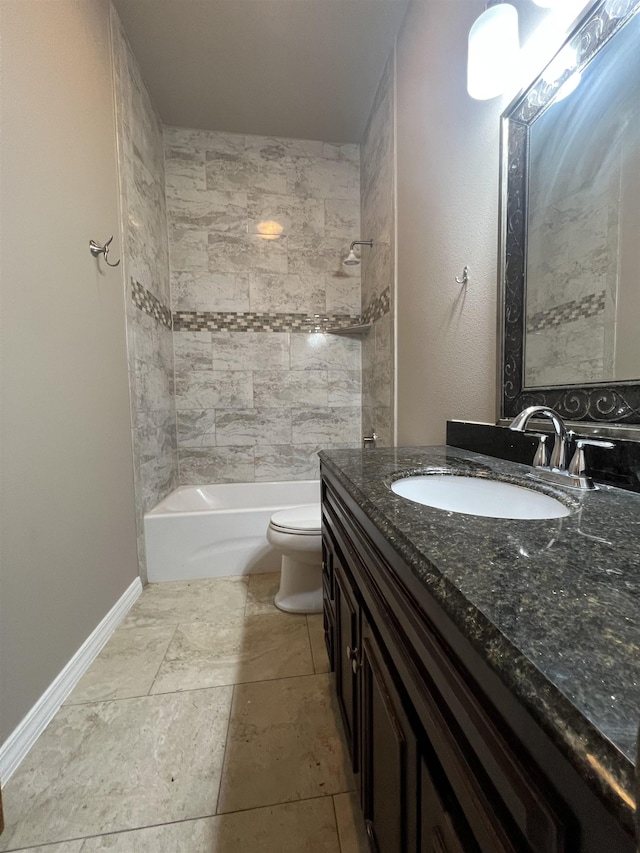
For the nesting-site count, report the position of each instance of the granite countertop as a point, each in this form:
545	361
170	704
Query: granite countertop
553	606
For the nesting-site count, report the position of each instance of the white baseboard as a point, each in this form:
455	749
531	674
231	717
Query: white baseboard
23	737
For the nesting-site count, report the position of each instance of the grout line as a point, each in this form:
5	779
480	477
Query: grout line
226	744
313	659
239	683
45	844
335	817
153	680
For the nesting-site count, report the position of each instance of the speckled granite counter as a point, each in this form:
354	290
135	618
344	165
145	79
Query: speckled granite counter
552	606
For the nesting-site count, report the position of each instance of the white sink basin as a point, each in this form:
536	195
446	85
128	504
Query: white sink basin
478	496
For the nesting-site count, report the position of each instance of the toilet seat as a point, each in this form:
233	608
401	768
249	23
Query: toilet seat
299	520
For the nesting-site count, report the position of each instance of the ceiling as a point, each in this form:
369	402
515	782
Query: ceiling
307	69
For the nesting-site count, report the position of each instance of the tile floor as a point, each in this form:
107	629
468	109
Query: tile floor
206	725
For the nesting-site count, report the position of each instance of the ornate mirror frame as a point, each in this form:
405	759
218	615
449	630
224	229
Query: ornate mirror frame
609	403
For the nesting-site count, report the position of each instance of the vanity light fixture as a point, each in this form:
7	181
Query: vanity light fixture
494	48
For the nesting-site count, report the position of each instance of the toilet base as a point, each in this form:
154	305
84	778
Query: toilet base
300	587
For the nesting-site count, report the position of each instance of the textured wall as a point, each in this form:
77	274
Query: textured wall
447	172
378	224
66	489
146	267
257	395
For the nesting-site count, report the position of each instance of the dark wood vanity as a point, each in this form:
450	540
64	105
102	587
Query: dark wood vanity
446	759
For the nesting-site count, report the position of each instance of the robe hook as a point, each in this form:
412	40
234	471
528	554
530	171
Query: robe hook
96	249
465	276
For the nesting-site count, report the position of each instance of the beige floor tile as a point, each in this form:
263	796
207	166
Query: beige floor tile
318	647
110	766
261	591
65	847
353	836
174	602
305	827
284	744
256	648
125	667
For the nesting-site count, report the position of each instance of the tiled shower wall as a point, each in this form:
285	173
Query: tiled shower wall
146	263
258	229
378	224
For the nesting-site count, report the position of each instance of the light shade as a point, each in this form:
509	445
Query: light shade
494	48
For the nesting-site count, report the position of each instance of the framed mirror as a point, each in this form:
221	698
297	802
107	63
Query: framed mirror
570	227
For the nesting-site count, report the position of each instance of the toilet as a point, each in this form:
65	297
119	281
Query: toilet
297	534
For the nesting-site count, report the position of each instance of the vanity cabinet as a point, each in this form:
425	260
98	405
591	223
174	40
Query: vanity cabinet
441	765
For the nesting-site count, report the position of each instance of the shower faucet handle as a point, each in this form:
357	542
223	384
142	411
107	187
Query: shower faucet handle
369	441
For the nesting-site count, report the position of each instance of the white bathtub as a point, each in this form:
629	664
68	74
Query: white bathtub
219	530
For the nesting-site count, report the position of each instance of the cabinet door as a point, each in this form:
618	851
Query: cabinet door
389	766
440	830
345	656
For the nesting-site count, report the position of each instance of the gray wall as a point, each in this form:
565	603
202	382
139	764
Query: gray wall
257	395
447	171
146	269
67	507
377	154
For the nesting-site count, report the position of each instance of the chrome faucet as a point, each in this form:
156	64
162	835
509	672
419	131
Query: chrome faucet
557	471
559	454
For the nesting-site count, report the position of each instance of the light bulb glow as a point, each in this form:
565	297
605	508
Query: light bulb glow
493	52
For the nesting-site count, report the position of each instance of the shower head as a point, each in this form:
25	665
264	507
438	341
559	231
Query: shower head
352	260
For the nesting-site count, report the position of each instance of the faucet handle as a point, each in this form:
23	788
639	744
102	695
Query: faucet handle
541	459
578	465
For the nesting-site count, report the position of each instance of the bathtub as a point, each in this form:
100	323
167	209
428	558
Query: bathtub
219	530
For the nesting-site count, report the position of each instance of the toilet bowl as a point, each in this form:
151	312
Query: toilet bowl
297	534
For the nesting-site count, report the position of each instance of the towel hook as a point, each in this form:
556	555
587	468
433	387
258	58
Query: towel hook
465	276
96	250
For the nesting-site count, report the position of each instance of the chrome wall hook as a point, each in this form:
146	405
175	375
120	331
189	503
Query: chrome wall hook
465	276
96	250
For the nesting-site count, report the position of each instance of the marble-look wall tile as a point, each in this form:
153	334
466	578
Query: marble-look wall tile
252	426
250	350
213	210
341	151
229	389
188	250
245	170
220	187
294	214
192	351
279	148
201	141
342	218
286	388
287	293
205	291
286	462
337	425
315	352
196	428
319	257
344	387
343	295
242	253
184	169
320	178
217	465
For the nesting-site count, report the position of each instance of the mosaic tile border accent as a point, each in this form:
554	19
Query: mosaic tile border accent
150	304
251	321
378	307
576	309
